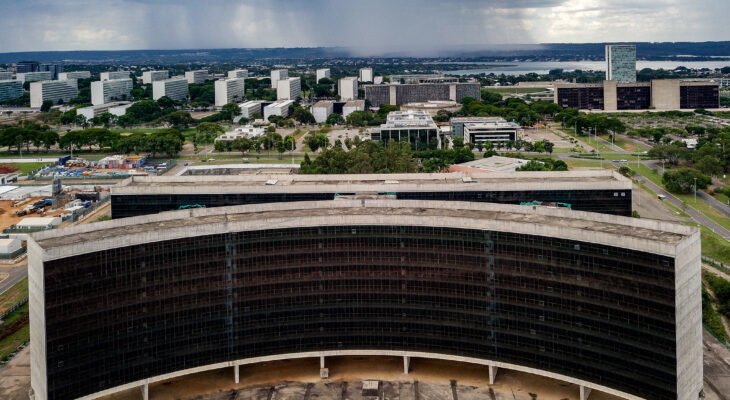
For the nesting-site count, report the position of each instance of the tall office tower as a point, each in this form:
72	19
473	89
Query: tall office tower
55	91
198	76
108	76
289	89
10	89
103	92
621	63
238	73
231	90
74	75
176	88
54	69
366	74
348	89
152	76
22	67
34	76
277	75
323	73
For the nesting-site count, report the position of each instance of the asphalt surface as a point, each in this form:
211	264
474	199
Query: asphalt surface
16	274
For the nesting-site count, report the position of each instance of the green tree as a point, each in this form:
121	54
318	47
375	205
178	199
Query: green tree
683	180
205	133
46	106
230	111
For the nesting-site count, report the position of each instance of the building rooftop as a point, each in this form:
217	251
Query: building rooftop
638	234
323	103
472	181
280	103
407	119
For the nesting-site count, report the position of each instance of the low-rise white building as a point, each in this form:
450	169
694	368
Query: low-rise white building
149	77
250	109
277	75
366	75
247	131
6	75
231	90
10	89
115	108
289	89
34	76
238	73
348	89
352	106
10	247
54	91
103	92
498	131
322	110
175	88
111	75
281	108
38	223
378	80
62	76
198	76
323	73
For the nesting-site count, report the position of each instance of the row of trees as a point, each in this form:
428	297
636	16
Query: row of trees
267	142
585	124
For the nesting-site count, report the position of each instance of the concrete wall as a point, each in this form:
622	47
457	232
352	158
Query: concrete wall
36	304
665	94
610	96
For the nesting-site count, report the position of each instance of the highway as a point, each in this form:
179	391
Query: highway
16	274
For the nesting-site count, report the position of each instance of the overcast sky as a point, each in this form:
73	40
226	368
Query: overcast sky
370	26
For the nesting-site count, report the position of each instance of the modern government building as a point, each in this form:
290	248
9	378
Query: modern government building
604	192
608	303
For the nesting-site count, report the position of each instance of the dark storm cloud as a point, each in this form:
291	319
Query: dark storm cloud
370	26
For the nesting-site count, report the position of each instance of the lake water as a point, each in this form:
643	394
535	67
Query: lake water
543	67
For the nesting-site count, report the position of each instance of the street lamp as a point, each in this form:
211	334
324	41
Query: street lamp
695	190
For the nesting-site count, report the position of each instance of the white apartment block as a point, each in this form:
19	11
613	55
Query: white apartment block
378	80
348	89
281	108
10	89
249	109
116	108
366	74
113	90
55	91
154	76
231	90
6	75
111	75
352	106
277	75
198	76
323	73
322	110
34	76
62	76
289	89
247	131
238	73
175	88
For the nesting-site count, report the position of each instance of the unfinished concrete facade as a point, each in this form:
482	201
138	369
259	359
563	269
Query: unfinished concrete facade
604	302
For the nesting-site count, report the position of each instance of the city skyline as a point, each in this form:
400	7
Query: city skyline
370	28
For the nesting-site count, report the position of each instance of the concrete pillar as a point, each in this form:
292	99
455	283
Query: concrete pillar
236	375
406	364
321	361
145	391
492	374
584	392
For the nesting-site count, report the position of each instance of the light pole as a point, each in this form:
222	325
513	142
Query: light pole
695	190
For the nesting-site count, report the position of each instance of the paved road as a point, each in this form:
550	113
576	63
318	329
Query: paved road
696	215
17	274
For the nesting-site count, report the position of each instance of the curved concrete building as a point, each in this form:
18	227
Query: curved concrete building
608	303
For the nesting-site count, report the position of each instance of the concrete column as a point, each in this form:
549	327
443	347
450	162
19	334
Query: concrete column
406	364
492	374
584	392
236	375
321	361
145	391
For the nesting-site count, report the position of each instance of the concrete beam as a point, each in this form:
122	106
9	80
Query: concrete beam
584	392
321	362
145	391
492	374
236	375
406	364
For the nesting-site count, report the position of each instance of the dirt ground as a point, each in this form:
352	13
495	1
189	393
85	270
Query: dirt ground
7	212
535	135
299	379
15	377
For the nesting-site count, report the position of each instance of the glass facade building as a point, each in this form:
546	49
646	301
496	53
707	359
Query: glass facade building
596	312
621	63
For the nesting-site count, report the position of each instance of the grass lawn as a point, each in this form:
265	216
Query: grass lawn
25	168
12	342
13	295
625	144
585	163
714	246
